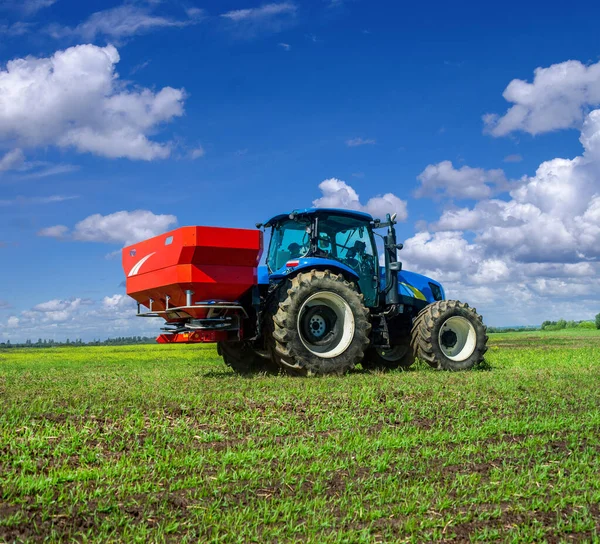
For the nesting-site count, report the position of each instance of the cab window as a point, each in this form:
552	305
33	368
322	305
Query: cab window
289	240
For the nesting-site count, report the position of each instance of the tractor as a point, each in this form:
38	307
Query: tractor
320	304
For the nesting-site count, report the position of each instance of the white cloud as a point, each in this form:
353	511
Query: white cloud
552	217
441	252
55	305
272	17
78	318
20	28
13	159
558	98
285	46
27	7
75	99
443	179
531	256
356	142
513	158
12	322
124	21
338	194
506	291
57	231
118	228
25	200
117	302
196	153
266	11
33	6
40	169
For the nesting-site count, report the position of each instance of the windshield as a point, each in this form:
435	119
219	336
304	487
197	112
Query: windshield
290	239
347	240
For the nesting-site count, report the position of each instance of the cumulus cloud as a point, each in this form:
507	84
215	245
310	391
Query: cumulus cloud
553	216
338	194
12	322
533	255
54	311
126	20
74	99
506	291
443	179
357	142
559	97
117	228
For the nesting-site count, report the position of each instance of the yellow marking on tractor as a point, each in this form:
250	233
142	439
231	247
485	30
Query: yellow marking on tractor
418	295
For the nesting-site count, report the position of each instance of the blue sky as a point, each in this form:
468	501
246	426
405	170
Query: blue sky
123	119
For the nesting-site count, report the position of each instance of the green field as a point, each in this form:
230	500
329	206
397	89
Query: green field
164	443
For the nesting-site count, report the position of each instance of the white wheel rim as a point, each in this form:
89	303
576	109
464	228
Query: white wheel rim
457	338
344	317
392	354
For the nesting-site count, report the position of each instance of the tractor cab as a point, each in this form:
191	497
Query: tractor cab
344	236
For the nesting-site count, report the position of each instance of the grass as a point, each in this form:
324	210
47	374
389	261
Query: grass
164	443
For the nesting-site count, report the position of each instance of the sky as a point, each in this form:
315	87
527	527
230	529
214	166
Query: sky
119	120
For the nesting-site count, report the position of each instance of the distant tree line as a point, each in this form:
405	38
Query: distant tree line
43	343
551	326
512	329
563	324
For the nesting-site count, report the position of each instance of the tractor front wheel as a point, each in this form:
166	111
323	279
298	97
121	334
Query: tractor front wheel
449	335
322	326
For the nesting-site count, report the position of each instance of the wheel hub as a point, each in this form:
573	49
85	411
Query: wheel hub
317	326
449	338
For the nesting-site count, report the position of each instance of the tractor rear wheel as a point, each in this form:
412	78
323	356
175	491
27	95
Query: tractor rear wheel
242	359
449	335
322	326
399	356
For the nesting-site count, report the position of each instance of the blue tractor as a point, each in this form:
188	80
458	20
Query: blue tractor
324	304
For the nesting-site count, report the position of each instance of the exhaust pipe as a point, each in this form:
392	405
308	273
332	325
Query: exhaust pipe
392	265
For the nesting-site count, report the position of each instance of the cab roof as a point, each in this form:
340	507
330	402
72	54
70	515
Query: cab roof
321	211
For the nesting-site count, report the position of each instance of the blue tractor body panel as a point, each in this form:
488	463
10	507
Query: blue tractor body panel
417	286
263	275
